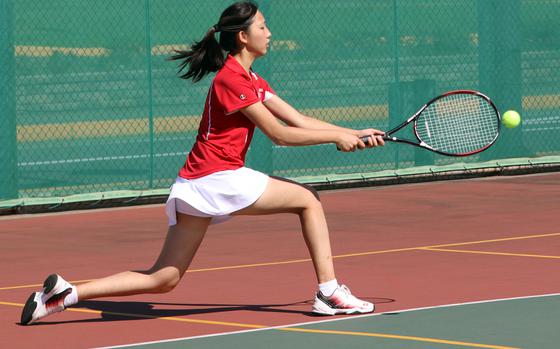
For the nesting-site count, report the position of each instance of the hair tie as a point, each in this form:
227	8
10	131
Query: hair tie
216	28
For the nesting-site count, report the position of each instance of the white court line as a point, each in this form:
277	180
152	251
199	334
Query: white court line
332	320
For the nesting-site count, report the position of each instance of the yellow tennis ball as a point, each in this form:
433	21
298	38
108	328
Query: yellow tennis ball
511	119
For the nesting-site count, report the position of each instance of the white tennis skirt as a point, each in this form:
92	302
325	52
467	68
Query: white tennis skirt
217	195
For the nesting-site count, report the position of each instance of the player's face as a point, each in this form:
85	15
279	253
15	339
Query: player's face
258	36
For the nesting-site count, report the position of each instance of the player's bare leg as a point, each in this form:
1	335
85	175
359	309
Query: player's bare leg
285	196
282	196
180	246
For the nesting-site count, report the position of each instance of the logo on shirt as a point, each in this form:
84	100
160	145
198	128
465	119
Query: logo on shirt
242	97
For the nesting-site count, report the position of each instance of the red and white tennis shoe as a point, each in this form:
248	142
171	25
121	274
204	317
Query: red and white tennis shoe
340	302
48	301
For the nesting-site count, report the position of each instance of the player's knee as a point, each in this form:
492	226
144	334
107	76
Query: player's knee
165	280
312	191
312	200
169	285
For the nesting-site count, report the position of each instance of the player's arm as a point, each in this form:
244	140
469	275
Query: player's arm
291	116
292	135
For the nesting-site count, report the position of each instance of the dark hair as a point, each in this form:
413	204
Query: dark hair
207	55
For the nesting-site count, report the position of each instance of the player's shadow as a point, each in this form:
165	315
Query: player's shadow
127	310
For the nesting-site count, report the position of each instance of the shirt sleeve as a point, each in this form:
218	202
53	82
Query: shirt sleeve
235	92
268	91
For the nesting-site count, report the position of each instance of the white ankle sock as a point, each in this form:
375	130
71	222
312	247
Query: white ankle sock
71	298
328	288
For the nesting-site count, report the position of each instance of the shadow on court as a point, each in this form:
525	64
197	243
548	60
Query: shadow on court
126	311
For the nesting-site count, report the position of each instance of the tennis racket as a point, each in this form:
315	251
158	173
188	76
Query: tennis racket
456	123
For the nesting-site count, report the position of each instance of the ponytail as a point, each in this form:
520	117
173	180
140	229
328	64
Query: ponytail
205	56
208	55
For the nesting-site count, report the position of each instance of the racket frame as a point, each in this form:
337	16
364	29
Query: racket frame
420	143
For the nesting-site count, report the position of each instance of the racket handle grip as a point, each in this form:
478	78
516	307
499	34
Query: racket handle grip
365	139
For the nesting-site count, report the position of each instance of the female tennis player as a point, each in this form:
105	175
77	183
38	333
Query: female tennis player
214	185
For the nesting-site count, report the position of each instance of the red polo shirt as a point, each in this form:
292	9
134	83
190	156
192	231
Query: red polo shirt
224	133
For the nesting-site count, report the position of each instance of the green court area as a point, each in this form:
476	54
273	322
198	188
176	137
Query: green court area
526	322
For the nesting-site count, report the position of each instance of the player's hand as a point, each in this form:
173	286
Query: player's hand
375	137
347	142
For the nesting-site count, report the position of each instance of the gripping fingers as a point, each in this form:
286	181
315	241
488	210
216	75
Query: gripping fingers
373	140
361	144
346	149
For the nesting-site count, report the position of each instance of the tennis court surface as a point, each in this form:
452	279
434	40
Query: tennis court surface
453	264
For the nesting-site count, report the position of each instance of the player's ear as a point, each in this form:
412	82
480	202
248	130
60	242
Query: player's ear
242	37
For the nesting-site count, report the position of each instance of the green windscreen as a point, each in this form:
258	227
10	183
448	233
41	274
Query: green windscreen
90	103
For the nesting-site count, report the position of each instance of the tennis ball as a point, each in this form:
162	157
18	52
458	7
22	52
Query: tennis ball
511	119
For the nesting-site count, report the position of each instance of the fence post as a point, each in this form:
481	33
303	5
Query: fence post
499	61
8	131
405	98
150	87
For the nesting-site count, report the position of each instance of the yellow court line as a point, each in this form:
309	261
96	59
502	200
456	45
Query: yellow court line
447	245
285	329
394	336
40	285
242	266
493	253
497	240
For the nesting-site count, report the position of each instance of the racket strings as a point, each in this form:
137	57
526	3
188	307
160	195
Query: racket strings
458	124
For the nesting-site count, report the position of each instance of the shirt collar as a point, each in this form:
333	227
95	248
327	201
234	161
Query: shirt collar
235	66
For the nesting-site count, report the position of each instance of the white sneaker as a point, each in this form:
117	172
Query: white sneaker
48	301
340	302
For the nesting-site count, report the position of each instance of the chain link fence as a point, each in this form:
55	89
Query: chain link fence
89	102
